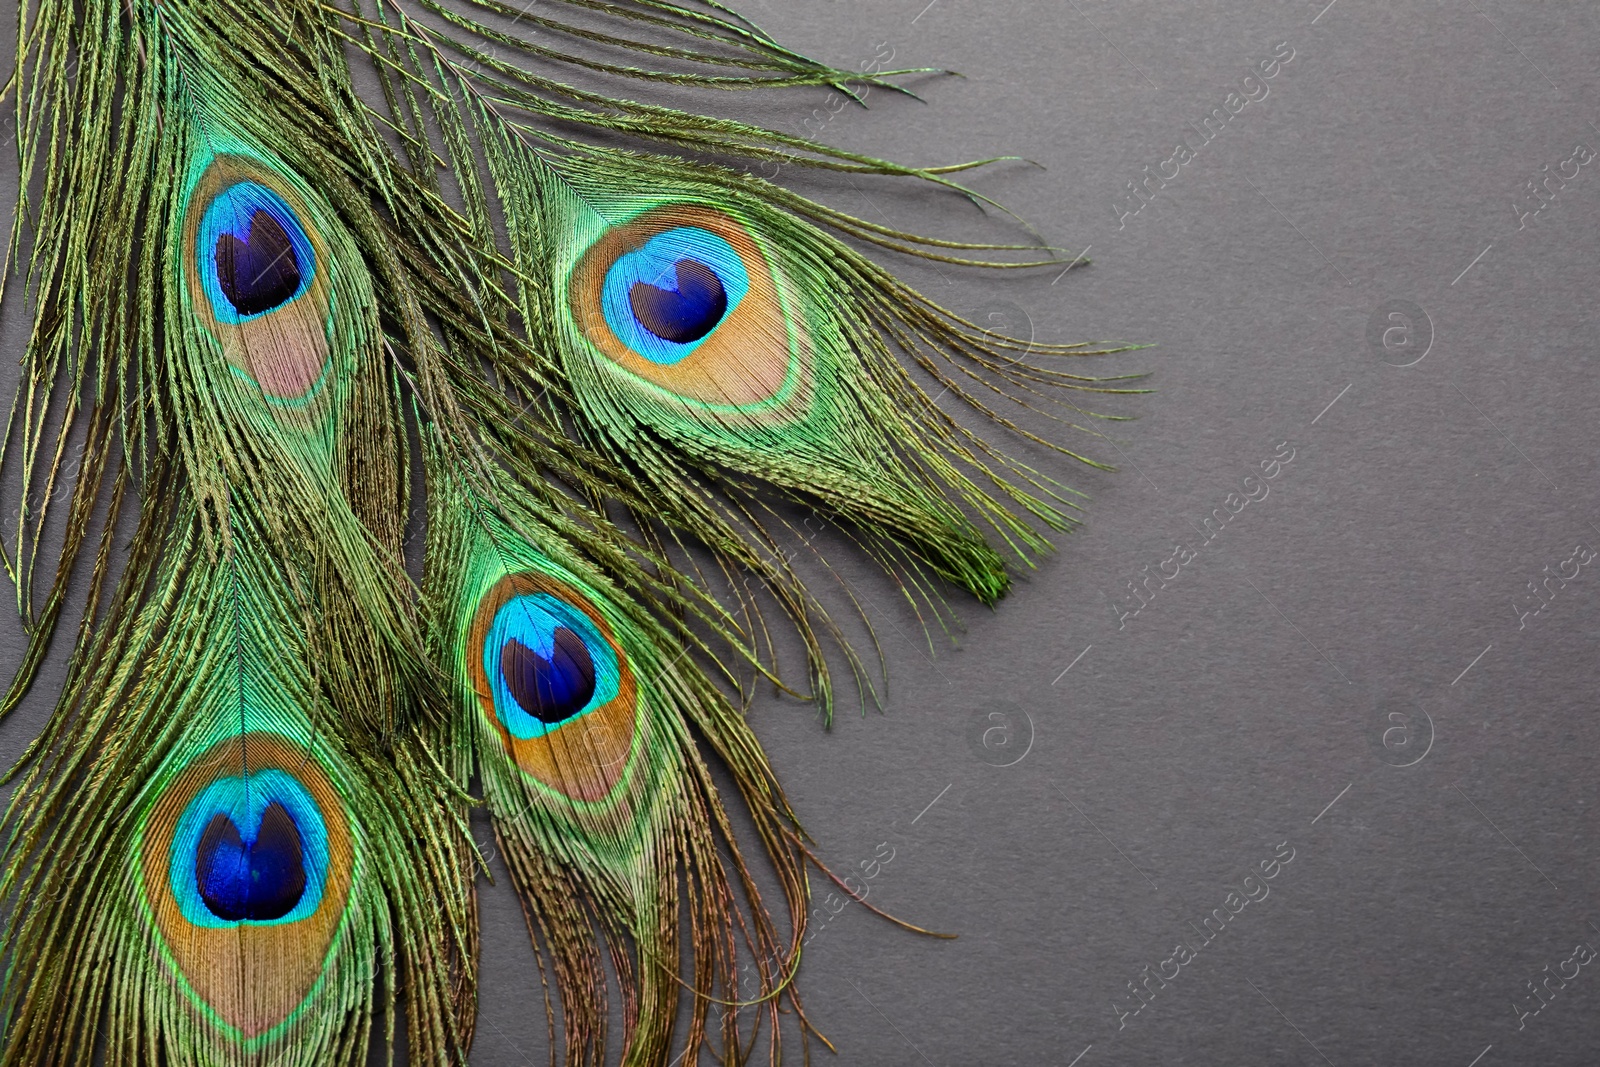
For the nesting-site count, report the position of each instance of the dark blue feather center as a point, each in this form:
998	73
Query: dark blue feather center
258	880
549	689
686	313
260	272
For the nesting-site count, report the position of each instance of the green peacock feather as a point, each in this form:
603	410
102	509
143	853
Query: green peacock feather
264	304
203	873
584	725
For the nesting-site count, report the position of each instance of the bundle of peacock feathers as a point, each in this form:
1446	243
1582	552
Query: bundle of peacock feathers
427	443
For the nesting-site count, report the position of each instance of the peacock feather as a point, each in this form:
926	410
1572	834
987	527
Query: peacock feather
584	714
704	328
427	411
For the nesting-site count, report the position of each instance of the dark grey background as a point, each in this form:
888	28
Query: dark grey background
1251	703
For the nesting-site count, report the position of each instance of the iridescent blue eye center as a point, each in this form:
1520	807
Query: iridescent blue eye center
687	311
668	296
254	880
546	663
258	273
254	252
251	848
551	687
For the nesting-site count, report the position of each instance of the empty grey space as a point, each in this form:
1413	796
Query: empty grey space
1312	692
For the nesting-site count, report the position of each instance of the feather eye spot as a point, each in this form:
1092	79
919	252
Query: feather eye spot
554	684
665	298
554	687
255	254
246	861
540	654
259	879
692	305
260	272
250	848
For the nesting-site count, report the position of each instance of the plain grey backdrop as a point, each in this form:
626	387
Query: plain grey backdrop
1376	658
